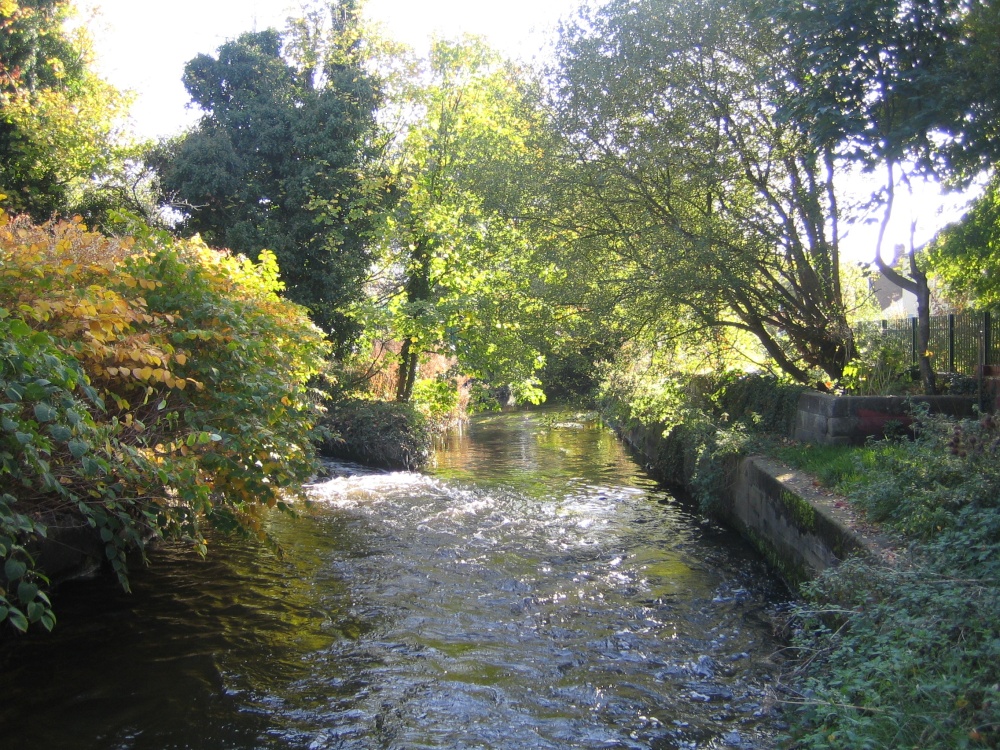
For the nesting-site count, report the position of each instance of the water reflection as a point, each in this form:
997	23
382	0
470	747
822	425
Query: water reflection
534	590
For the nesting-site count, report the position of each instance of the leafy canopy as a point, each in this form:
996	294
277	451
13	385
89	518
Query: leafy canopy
278	160
456	262
57	117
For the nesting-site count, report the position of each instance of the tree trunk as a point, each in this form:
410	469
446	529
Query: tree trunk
407	373
916	285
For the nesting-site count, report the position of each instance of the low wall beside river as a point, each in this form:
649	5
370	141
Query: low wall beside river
826	419
799	528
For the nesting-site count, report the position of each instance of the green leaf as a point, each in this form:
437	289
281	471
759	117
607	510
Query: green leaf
45	413
78	447
18	328
35	611
27	591
9	424
17	619
60	432
35	391
106	534
14	569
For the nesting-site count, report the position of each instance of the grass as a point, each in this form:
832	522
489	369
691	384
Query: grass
841	468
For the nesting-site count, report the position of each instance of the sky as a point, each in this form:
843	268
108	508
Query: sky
142	45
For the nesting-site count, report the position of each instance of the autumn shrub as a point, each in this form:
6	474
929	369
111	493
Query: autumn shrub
147	385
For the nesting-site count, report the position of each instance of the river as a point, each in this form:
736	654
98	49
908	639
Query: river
534	589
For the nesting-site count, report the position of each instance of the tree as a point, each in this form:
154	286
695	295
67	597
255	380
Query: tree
966	255
458	259
278	160
689	195
57	117
889	85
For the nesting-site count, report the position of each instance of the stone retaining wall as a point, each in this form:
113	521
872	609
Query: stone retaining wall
799	528
850	420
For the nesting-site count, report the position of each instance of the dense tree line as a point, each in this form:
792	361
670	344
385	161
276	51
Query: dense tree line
678	172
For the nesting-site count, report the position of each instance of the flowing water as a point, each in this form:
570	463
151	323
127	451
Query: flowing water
533	590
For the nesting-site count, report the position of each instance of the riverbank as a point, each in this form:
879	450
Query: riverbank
889	655
383	434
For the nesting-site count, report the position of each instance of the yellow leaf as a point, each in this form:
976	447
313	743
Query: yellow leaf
180	359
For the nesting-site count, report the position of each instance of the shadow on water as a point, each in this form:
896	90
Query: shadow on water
533	590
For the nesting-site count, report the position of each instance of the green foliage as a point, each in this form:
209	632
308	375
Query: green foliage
837	467
906	656
685	179
57	117
379	433
899	658
456	258
704	424
147	385
436	398
283	158
879	368
966	255
763	403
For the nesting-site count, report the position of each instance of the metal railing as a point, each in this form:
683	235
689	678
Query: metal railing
960	342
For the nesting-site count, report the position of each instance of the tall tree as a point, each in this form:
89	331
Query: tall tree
878	85
57	116
460	260
278	160
688	193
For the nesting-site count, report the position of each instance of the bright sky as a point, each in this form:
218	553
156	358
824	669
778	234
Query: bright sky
143	44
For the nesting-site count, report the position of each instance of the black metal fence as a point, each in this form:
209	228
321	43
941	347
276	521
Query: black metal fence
959	342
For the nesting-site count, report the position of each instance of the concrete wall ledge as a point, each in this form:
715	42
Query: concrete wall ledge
800	528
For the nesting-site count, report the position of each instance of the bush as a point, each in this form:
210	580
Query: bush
147	385
379	433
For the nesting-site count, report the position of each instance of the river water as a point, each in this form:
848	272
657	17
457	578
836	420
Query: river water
533	590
